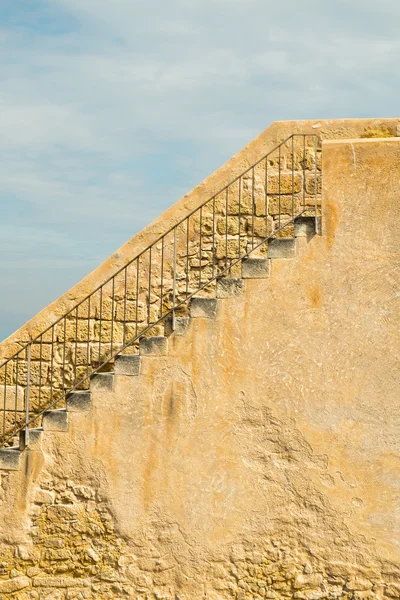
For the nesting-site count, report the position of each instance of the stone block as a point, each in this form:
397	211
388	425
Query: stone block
260	226
230	225
256	268
231	248
38	376
153	346
283	227
9	459
285	183
55	420
73	330
130	311
60	582
206	223
314	184
127	364
31	439
284	205
40	351
79	401
203	307
282	248
358	584
102	382
12	397
181	325
304	226
304	580
227	287
107	331
9	586
43	497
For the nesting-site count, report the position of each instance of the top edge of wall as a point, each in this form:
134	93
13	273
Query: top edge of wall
330	129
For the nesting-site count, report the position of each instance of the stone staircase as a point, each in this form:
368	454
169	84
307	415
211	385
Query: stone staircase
130	364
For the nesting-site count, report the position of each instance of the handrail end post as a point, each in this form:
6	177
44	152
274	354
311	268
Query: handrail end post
27	394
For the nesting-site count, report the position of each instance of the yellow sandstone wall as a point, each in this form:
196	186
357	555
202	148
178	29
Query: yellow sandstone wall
264	143
90	334
260	457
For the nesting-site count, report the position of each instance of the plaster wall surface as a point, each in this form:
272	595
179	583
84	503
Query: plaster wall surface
260	457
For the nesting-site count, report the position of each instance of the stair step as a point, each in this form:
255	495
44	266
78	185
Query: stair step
33	441
102	382
282	248
203	307
127	364
306	226
181	325
10	458
228	287
55	420
79	401
153	346
256	268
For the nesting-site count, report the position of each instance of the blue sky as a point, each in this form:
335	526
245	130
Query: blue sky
111	111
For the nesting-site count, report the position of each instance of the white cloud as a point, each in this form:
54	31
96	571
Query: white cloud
109	111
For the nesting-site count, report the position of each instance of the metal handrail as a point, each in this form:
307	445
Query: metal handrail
291	203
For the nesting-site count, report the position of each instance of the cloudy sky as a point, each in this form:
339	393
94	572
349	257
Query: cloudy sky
110	110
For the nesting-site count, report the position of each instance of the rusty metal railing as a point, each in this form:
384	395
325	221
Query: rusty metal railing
209	242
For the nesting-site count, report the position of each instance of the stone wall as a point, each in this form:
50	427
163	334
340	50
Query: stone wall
259	458
249	155
261	203
256	205
76	553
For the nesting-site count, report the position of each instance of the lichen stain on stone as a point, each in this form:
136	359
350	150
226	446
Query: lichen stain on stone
309	255
331	222
314	295
377	131
151	463
33	464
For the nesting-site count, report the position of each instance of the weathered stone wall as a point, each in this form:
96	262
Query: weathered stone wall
261	203
259	459
255	206
249	155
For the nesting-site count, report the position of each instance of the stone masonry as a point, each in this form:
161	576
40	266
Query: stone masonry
250	454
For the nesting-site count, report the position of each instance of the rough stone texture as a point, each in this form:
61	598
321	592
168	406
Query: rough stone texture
256	268
254	461
181	325
31	439
13	399
305	227
78	401
227	287
282	248
55	420
14	585
9	459
203	308
128	364
153	346
102	382
123	311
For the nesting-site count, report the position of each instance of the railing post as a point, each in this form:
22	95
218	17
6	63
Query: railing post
317	224
27	394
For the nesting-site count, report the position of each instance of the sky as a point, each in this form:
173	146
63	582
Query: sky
110	111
